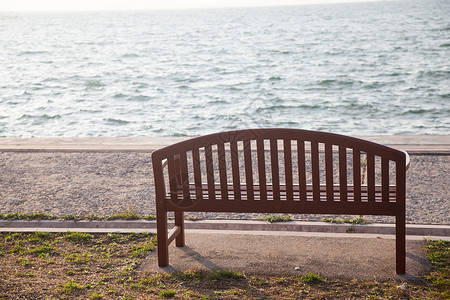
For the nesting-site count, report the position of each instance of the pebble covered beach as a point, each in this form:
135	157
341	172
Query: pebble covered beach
85	183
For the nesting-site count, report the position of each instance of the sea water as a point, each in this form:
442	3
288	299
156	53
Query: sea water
360	69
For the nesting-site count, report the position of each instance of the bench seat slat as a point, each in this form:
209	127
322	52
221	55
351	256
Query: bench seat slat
283	192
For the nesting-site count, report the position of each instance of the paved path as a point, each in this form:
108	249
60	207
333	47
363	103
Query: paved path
340	256
414	144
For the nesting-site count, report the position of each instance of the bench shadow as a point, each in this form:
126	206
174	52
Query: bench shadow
197	257
423	261
206	263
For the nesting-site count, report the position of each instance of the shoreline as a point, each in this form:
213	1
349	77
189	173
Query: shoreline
413	144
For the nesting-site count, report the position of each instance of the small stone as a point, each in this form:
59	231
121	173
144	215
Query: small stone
297	268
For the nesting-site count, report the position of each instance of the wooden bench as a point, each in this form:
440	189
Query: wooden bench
278	171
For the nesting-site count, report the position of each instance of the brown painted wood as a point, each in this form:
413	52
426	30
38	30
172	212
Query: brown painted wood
329	176
222	171
261	169
315	169
197	173
261	197
275	168
356	175
385	178
371	176
287	147
210	172
184	176
235	170
248	170
343	173
301	169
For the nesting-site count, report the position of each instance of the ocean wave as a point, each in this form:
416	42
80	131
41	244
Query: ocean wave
288	107
329	82
119	96
94	84
42	117
30	52
116	121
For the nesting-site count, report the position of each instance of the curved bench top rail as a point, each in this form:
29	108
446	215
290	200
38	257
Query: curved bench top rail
283	134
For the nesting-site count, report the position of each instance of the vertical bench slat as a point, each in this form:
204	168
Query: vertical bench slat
343	173
301	169
248	169
288	169
385	179
184	176
329	171
197	173
235	170
356	175
274	166
261	169
222	171
210	172
400	222
315	170
370	177
172	177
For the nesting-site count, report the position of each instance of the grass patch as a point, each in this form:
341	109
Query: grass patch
126	215
275	219
439	255
346	220
78	237
71	287
167	294
226	274
142	250
25	216
110	266
312	278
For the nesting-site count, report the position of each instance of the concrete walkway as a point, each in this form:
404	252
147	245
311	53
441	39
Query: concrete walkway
413	144
342	256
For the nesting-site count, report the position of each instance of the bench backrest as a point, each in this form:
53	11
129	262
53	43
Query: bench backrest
280	170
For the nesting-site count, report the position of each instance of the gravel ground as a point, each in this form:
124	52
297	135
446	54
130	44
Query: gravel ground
61	183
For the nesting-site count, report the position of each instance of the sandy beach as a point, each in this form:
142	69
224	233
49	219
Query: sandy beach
104	183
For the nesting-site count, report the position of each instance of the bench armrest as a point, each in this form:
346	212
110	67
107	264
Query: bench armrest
408	159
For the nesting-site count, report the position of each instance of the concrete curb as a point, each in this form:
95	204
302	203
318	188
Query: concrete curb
224	225
413	144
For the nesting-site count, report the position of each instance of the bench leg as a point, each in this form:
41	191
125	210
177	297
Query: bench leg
179	221
163	247
400	240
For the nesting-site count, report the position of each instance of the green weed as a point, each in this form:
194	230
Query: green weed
45	249
312	278
25	216
78	237
225	274
142	250
96	296
79	259
126	215
167	294
71	287
439	256
275	219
